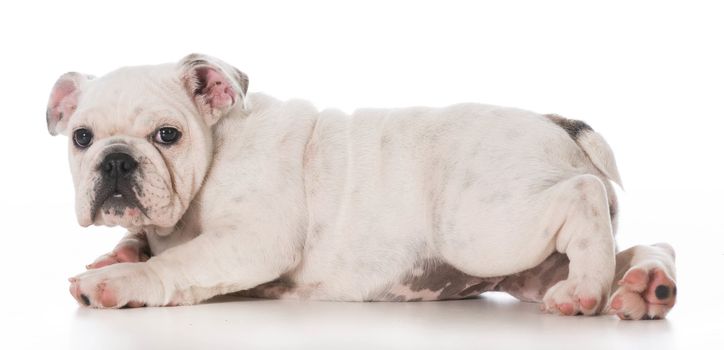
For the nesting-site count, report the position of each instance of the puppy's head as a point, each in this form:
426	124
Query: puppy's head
140	138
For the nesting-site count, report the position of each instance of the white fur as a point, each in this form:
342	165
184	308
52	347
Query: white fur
343	206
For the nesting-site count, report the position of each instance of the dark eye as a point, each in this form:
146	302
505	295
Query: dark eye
167	135
82	138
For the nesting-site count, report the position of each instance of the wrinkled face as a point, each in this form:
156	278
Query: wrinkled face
136	146
140	138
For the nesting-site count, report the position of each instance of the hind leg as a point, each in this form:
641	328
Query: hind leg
579	213
641	271
571	217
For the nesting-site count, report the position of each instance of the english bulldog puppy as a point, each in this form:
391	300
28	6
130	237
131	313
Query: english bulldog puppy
225	191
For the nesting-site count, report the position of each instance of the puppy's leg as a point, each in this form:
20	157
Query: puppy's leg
209	265
579	214
646	287
640	272
132	248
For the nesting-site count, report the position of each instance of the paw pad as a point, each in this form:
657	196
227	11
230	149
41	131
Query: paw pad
644	294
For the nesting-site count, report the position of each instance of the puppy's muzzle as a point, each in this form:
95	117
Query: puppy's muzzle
114	190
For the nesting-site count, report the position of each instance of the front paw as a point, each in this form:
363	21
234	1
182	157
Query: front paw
118	285
121	254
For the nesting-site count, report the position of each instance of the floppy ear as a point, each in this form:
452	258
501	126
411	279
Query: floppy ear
214	86
64	100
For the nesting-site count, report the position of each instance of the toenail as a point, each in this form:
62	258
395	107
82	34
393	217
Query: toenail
662	292
646	317
656	318
674	291
85	300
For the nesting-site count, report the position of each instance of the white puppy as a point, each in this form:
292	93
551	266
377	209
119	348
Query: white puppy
228	192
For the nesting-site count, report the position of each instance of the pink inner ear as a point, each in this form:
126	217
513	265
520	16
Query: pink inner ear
63	96
216	88
63	102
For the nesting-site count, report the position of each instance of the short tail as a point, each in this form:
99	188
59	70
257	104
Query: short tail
593	144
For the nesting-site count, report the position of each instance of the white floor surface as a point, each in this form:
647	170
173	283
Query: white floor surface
39	313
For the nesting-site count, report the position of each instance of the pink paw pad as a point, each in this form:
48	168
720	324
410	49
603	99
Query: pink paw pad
617	303
106	296
643	295
635	279
588	303
566	309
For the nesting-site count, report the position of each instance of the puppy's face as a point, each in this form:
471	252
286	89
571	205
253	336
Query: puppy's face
140	137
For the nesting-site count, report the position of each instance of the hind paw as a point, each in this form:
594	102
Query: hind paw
575	297
644	293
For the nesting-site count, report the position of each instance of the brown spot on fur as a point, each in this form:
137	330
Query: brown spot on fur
583	244
573	127
531	284
384	141
270	290
612	205
595	212
393	297
470	178
285	139
444	281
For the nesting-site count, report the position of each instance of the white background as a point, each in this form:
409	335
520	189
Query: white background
648	75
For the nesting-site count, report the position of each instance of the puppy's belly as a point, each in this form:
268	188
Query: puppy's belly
426	281
437	281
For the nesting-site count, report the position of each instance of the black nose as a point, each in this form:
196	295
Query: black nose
118	164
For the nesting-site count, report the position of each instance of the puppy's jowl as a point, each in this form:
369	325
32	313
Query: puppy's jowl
223	191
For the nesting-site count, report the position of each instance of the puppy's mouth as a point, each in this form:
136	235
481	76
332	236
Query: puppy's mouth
116	201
